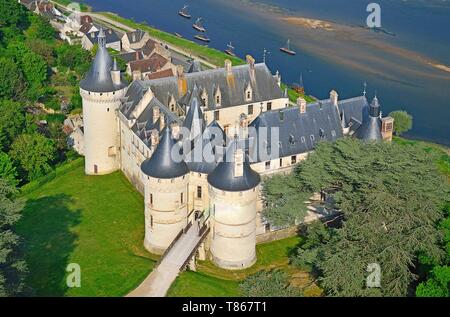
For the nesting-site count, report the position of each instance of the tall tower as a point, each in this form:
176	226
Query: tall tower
165	179
233	196
101	91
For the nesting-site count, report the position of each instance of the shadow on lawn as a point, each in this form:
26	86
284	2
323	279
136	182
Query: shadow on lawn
46	228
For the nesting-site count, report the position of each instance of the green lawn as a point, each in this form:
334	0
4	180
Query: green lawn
213	281
95	221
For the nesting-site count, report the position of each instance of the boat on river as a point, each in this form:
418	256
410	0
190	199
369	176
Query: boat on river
198	25
230	50
287	49
184	12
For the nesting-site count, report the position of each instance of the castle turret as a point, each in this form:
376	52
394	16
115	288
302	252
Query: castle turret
370	130
101	91
165	177
233	196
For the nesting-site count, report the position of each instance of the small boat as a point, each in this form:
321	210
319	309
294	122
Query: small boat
178	35
184	12
198	25
230	50
202	37
287	49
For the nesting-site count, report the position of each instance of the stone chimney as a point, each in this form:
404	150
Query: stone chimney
251	64
182	84
137	75
278	78
162	121
238	163
137	55
156	114
133	37
387	128
301	103
334	98
228	67
154	139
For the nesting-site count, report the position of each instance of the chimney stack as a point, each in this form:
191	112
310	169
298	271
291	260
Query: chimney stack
238	163
182	84
156	114
162	121
154	139
228	67
334	98
301	103
251	64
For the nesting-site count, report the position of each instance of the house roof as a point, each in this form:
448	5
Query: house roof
98	78
86	27
149	65
131	56
162	164
223	176
297	132
160	74
232	88
135	36
110	36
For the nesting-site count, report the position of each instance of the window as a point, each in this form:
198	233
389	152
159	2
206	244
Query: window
218	99
281	162
303	139
312	137
199	191
151	221
107	109
151	199
216	115
268	165
250	109
269	106
249	95
293	159
181	198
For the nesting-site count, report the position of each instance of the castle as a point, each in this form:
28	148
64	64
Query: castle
140	129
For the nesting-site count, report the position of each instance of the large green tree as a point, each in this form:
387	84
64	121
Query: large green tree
268	284
283	199
391	198
403	121
34	154
39	28
8	171
12	119
12	266
11	79
11	13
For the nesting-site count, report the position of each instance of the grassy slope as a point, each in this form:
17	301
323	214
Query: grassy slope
96	222
213	281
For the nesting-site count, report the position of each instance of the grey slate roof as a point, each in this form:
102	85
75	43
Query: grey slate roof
298	132
195	67
194	116
98	78
370	129
212	135
138	36
222	177
161	164
144	124
110	36
232	89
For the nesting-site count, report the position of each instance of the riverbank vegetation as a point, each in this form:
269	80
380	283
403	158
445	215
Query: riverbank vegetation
393	200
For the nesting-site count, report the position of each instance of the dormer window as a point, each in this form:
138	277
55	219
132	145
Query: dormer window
218	97
204	97
248	93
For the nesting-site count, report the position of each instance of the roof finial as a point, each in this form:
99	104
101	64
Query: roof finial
365	87
101	38
115	67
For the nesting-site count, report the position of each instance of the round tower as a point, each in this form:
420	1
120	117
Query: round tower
101	91
165	181
233	196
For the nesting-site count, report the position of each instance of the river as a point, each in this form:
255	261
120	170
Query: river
405	67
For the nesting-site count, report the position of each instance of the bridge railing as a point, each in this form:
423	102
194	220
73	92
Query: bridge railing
203	232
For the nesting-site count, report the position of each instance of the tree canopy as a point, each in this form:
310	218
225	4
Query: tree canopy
402	121
12	266
391	198
268	284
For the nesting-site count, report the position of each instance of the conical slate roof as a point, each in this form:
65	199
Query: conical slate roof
223	175
194	117
98	79
212	135
162	164
370	130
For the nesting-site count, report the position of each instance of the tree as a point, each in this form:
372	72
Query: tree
73	57
12	119
34	154
11	13
391	197
438	285
7	170
34	68
402	121
39	28
268	284
284	202
10	79
13	268
42	48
